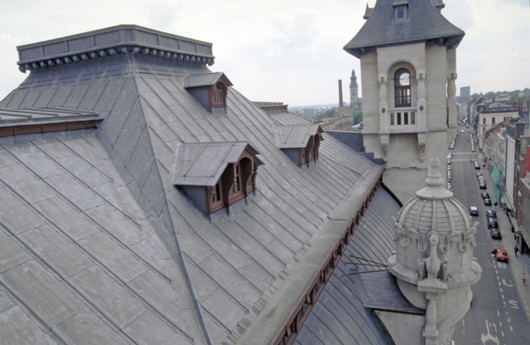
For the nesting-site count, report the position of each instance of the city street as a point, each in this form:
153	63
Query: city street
498	311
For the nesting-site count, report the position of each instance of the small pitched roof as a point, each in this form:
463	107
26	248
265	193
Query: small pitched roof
205	79
296	136
425	23
202	164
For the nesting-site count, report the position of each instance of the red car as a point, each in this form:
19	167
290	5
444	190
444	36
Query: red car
500	254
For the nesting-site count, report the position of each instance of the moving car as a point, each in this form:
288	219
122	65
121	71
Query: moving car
473	210
484	195
495	233
500	254
477	166
491	214
487	201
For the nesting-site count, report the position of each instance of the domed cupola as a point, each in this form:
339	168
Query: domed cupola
433	262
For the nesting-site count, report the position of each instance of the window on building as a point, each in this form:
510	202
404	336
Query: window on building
218	95
493	120
402	91
401	13
483	120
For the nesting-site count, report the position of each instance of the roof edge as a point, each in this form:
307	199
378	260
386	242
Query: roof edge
111	41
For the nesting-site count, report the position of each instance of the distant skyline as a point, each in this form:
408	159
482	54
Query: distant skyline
281	51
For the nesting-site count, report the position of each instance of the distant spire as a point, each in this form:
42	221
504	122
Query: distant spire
353	80
367	12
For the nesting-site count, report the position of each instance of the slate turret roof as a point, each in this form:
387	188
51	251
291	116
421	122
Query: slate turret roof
425	23
98	246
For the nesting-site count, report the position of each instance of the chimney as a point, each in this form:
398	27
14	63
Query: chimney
341	103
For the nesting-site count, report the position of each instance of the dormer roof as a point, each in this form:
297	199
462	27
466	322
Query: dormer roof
296	136
202	164
206	79
425	23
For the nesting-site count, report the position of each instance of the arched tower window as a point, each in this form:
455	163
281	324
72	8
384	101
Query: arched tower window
402	91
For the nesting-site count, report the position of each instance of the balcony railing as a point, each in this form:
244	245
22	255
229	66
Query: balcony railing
403	119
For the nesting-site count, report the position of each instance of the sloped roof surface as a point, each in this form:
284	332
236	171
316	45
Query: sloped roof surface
425	23
9	117
202	164
110	241
78	254
339	316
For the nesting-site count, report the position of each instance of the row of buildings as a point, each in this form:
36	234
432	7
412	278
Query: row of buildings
503	135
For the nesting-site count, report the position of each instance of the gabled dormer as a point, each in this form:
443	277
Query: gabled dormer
300	142
210	89
216	175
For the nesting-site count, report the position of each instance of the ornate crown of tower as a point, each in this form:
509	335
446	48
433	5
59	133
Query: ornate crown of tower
434	263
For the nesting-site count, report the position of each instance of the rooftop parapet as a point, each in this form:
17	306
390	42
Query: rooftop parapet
111	41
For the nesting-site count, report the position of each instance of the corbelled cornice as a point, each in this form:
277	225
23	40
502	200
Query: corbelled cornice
121	39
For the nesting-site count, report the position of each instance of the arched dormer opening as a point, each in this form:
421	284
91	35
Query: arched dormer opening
209	89
216	175
218	95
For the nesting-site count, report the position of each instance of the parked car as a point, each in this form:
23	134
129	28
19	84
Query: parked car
482	185
500	254
477	166
473	210
495	233
484	195
491	214
487	202
478	173
492	223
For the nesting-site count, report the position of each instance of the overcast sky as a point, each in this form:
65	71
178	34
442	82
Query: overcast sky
278	50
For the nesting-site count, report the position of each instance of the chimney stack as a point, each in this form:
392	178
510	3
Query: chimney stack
341	103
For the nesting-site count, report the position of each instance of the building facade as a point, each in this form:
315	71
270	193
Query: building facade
408	77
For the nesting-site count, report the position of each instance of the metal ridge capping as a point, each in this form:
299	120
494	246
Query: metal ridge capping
120	39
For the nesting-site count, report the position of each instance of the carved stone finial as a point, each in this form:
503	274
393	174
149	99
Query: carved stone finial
435	183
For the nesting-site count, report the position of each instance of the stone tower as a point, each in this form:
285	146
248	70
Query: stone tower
433	263
407	51
354	92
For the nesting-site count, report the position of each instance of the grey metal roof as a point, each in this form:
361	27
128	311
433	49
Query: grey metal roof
425	23
103	246
202	164
296	136
10	117
341	316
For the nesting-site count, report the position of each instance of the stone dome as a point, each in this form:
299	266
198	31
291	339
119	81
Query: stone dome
434	208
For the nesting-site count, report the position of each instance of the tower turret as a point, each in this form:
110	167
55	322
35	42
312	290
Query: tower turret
433	263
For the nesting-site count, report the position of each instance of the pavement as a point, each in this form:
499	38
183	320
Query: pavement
520	263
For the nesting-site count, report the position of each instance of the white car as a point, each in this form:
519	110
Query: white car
473	210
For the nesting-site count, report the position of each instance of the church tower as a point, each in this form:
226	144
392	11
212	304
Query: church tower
408	71
354	92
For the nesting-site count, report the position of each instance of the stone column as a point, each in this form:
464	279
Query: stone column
451	100
421	121
383	105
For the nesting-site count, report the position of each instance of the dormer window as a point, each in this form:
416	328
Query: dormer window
300	142
216	175
209	89
401	10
